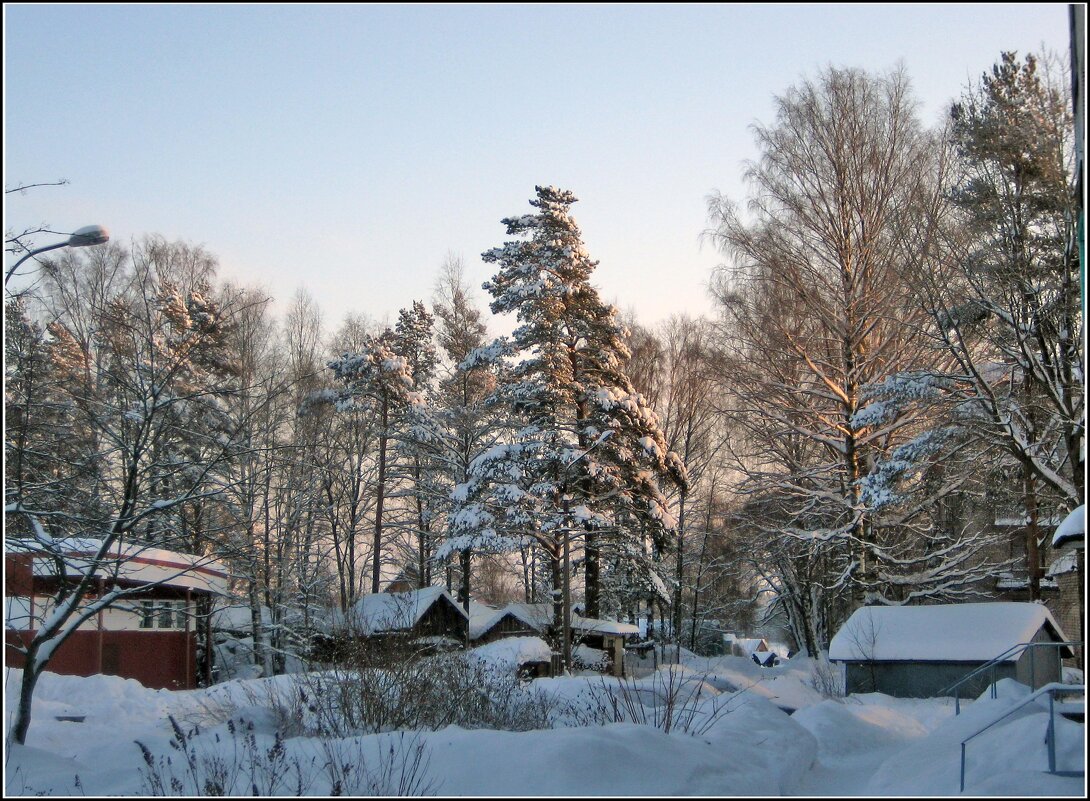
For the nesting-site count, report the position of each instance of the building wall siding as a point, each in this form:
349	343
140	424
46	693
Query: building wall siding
919	679
157	659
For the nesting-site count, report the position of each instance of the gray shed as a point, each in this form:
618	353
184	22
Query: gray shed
918	651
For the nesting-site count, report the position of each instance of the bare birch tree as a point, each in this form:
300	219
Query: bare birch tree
817	309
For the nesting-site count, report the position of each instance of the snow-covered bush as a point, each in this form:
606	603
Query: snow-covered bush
825	677
263	765
673	698
369	693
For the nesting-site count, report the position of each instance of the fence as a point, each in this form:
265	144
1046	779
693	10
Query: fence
644	662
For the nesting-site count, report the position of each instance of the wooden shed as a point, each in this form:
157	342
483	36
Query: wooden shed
149	637
919	651
430	612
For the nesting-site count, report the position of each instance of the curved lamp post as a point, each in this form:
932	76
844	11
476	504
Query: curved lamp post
87	235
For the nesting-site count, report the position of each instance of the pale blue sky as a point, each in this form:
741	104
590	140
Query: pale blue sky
349	148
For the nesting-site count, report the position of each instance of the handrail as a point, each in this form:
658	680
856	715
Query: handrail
1050	738
991	664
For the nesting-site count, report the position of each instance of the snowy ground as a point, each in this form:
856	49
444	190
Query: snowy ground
730	736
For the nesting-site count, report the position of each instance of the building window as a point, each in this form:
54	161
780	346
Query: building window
162	614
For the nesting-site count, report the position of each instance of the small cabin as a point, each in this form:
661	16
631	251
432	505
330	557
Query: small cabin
149	636
430	612
920	651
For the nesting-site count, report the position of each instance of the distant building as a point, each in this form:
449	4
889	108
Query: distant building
383	622
150	637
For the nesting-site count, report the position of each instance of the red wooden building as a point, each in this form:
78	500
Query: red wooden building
149	637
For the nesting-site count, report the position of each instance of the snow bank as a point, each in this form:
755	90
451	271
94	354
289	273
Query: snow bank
509	653
1009	759
732	758
788	685
864	745
619	759
1072	528
863	722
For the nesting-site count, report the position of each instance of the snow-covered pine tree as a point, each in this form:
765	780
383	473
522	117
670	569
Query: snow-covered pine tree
412	338
459	425
588	460
379	379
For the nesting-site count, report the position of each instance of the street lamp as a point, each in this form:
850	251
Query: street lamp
87	235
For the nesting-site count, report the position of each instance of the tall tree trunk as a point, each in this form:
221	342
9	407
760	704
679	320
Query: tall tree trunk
557	598
465	558
592	566
380	498
679	574
423	577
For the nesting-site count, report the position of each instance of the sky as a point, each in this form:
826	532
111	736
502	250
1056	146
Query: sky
349	149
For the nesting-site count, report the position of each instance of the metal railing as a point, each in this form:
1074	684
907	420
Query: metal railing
1010	654
1051	690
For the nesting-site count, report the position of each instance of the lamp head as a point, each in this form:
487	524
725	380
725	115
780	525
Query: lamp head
88	235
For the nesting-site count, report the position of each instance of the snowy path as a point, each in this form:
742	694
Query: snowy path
871	745
857	736
843	776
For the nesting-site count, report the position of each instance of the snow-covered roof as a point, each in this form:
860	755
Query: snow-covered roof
940	633
396	611
765	658
481	618
540	616
536	616
132	562
1073	528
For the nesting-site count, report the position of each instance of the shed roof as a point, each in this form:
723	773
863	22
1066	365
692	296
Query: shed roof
600	626
396	611
940	632
481	618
